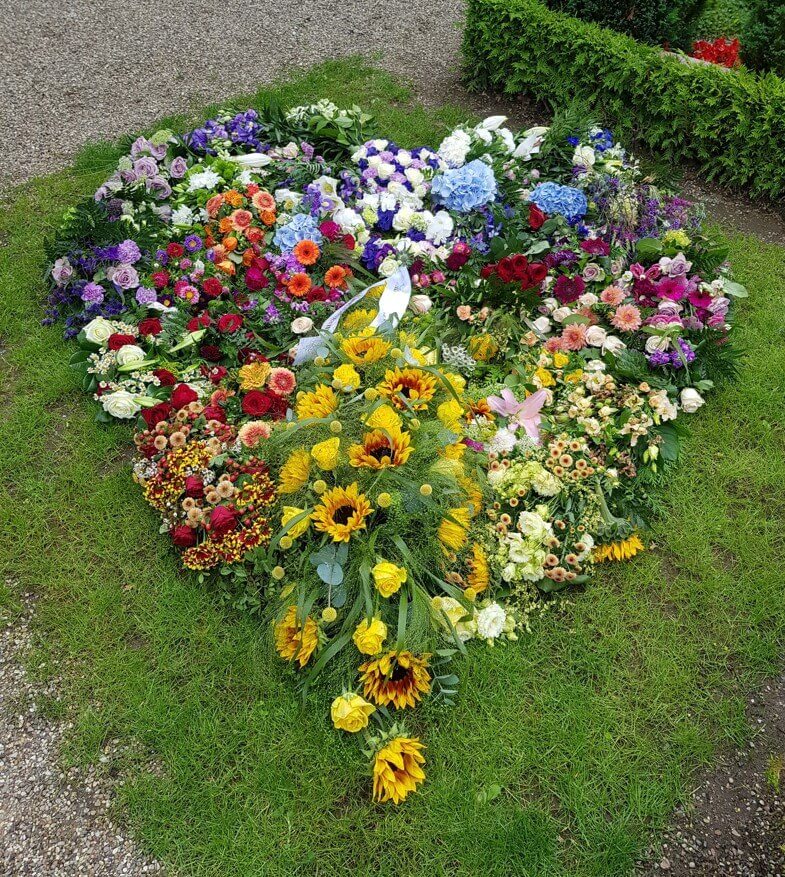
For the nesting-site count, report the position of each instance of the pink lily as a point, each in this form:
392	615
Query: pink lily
525	414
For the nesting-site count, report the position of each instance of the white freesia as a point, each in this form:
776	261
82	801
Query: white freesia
691	400
120	404
97	331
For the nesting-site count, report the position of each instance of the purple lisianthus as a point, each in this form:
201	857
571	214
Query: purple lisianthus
159	188
93	293
123	276
62	271
178	168
145	166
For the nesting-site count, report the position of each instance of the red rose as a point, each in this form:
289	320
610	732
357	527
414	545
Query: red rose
211	352
520	266
256	279
215	412
212	287
117	340
536	217
223	520
183	536
157	414
316	293
256	403
183	395
487	270
538	271
174	250
160	279
166	378
505	271
150	326
456	260
229	323
217	373
194	487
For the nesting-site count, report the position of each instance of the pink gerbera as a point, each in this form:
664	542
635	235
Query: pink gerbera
281	381
241	219
574	336
627	318
612	295
263	201
251	433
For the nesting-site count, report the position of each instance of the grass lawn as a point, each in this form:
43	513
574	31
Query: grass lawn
591	725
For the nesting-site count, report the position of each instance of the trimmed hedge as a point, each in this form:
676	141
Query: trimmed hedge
732	124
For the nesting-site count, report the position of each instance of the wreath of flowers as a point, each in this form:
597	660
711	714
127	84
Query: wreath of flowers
425	479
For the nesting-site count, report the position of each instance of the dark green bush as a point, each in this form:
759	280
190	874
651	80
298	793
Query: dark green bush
659	22
731	123
763	43
723	18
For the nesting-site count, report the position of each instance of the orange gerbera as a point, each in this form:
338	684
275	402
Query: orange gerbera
306	252
299	284
335	277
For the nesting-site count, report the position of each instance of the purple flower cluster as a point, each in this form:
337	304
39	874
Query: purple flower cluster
672	358
244	130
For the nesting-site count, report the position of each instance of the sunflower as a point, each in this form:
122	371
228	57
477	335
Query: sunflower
397	769
318	403
341	512
381	448
254	375
479	573
295	471
397	678
295	641
453	529
365	348
408	387
623	549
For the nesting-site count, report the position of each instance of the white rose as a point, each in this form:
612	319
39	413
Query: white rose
491	621
561	314
389	266
613	345
420	304
596	336
120	404
656	343
588	300
403	158
97	331
533	526
542	325
301	325
691	400
129	353
584	155
492	122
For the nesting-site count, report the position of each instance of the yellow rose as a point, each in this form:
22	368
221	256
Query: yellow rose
544	377
290	512
350	712
560	360
326	453
348	376
369	636
573	377
388	578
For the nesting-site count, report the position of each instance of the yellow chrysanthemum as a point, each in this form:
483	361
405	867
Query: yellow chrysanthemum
479	572
326	453
457	382
365	348
384	417
358	319
296	530
454	451
453	530
254	375
624	549
295	641
318	403
381	448
450	414
408	387
397	769
347	376
369	636
388	577
295	471
341	512
350	712
396	678
483	347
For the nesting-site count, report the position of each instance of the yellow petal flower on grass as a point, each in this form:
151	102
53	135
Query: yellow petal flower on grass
381	449
396	679
347	376
341	512
326	453
350	712
388	578
295	471
397	769
318	403
289	513
365	348
295	641
384	417
410	388
454	529
479	572
623	549
370	636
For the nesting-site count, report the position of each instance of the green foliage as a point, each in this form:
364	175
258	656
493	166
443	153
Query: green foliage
658	22
723	18
763	42
731	124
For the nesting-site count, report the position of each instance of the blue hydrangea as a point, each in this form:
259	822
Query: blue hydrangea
301	227
465	188
553	198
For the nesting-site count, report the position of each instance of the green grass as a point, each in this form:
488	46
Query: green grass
591	726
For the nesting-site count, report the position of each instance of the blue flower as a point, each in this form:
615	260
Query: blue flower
553	198
465	188
301	227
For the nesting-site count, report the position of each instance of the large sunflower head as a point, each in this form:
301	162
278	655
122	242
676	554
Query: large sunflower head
342	512
397	769
318	403
397	678
622	549
365	348
408	387
295	641
381	448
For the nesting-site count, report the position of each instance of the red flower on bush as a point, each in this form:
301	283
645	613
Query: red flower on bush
568	289
200	322
174	250
459	256
721	51
229	323
215	412
183	395
194	487
211	352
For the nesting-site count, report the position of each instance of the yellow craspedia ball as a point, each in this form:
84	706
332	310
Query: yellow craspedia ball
336	426
286	542
384	500
426	489
371	394
319	486
278	573
396	352
329	614
319	360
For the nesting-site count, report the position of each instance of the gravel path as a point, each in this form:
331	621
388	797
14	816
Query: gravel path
53	823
